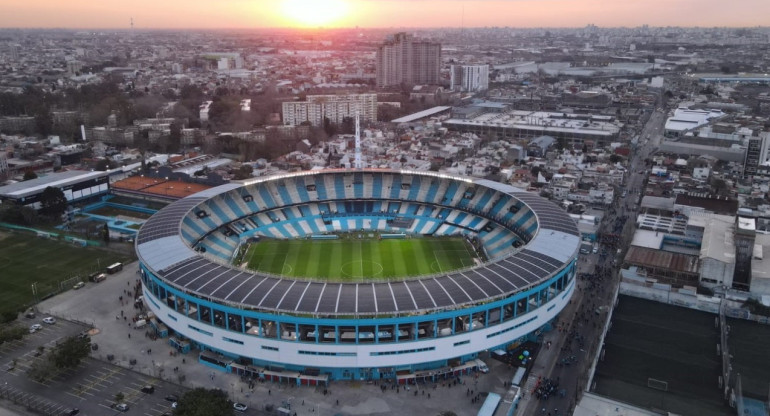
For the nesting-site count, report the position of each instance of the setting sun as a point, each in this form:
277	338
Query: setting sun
312	13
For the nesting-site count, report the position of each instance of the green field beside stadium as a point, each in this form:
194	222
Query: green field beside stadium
356	259
27	259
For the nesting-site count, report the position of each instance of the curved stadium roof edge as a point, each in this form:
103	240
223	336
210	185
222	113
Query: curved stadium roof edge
162	250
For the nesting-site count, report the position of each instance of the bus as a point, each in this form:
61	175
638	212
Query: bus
114	268
490	405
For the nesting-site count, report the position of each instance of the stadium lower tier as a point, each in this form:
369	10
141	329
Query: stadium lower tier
300	221
378	347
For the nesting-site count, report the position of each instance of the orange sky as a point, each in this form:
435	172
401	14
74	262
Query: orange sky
383	13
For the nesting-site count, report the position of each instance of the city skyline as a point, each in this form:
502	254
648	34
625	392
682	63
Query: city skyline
176	14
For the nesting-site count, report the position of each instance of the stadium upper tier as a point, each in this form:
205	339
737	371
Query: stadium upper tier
527	239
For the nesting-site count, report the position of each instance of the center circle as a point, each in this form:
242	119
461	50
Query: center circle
356	268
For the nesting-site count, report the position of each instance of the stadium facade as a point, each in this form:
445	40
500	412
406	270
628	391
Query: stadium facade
313	330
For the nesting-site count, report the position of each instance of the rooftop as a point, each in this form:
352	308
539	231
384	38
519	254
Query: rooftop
421	114
59	180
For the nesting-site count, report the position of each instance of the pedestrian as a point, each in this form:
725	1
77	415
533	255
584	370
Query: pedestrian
129	336
269	392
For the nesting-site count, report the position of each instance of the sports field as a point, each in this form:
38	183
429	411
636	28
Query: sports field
660	356
749	342
354	259
26	260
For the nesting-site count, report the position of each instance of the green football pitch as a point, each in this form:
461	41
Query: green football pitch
26	260
352	259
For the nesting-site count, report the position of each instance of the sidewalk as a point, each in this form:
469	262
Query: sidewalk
547	358
99	305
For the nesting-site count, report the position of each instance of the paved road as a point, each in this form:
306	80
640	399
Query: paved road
575	343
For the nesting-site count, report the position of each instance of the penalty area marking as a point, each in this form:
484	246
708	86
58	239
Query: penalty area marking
435	266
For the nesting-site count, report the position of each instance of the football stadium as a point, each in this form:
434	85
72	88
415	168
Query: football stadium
356	274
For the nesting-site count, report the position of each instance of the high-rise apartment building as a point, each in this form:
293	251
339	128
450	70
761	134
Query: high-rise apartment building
334	107
469	78
402	59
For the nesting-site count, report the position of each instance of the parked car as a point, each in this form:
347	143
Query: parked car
122	407
172	398
72	412
240	407
78	285
34	328
148	389
50	320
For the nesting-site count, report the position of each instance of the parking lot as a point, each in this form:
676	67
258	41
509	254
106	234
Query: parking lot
90	387
127	359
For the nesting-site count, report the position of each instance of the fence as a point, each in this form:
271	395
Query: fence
600	350
49	234
724	350
33	402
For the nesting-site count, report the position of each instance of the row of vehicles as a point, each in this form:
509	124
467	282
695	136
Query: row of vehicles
37	327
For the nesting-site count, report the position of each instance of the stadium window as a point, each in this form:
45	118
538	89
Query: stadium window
327	333
201	214
508	311
234	341
234	322
269	329
247	198
288	331
192	310
425	330
154	303
219	318
378	353
265	347
252	326
457	344
511	328
195	328
205	314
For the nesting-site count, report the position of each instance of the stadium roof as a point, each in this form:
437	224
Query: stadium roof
58	180
161	248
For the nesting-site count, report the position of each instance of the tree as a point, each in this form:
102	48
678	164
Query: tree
329	127
30	174
204	402
53	201
18	214
40	370
244	172
175	137
105	164
70	352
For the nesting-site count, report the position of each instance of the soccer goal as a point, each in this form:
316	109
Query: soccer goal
657	384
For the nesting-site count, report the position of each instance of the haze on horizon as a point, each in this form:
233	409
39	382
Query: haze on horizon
170	14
